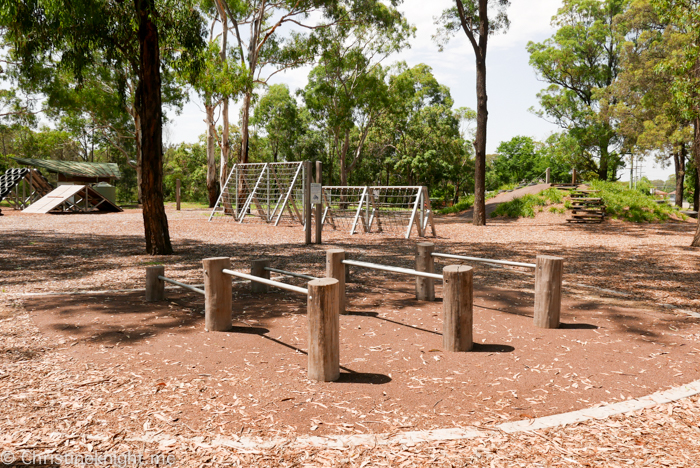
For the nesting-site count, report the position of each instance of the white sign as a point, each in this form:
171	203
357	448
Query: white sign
315	193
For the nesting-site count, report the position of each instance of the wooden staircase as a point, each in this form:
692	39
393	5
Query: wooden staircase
585	208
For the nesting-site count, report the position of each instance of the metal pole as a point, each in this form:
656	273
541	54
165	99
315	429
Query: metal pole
276	284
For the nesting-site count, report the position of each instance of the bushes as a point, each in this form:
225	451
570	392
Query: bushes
527	205
464	203
633	205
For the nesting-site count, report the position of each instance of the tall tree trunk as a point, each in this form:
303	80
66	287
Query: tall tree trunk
154	218
696	155
344	158
211	156
696	192
482	114
679	163
245	119
139	141
604	161
225	134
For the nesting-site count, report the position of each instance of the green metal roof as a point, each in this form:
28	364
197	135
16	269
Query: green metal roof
74	168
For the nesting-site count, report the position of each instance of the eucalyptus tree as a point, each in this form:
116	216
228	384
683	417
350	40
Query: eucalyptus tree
684	15
74	36
580	61
421	135
647	114
348	92
275	36
478	19
279	115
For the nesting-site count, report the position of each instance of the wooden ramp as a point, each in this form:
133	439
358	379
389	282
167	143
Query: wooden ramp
72	198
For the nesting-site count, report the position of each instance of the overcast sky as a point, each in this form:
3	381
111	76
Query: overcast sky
512	85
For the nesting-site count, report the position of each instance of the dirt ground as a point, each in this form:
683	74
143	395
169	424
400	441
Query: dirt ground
106	371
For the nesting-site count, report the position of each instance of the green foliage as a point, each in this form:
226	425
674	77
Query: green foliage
187	162
463	204
466	15
634	205
524	159
527	205
523	207
580	61
282	122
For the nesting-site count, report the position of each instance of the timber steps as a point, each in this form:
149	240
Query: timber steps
585	207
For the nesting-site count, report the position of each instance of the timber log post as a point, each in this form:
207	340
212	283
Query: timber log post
548	277
217	294
337	270
458	308
258	269
155	287
324	329
425	287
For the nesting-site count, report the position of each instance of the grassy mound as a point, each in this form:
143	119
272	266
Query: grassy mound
634	205
527	205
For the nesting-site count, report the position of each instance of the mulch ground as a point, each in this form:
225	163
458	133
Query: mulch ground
98	371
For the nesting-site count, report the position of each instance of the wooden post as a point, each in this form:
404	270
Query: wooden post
573	177
547	175
457	308
217	294
425	287
307	202
347	269
335	268
319	206
548	275
258	269
177	194
155	287
324	328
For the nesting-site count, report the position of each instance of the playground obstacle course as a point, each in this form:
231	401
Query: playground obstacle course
389	209
326	297
268	191
273	192
322	312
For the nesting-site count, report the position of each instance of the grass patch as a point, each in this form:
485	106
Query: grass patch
633	205
527	205
188	205
463	204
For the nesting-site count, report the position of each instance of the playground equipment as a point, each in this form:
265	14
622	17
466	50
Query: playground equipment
274	192
263	190
155	284
548	281
15	183
75	198
457	332
378	209
322	312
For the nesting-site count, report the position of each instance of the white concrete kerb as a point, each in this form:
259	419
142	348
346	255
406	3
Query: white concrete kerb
438	435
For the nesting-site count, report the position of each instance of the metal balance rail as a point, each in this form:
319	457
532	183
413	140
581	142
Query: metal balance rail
258	279
182	285
405	271
485	260
290	273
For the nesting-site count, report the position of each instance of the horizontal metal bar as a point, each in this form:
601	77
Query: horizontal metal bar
485	260
290	273
258	279
405	271
182	285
